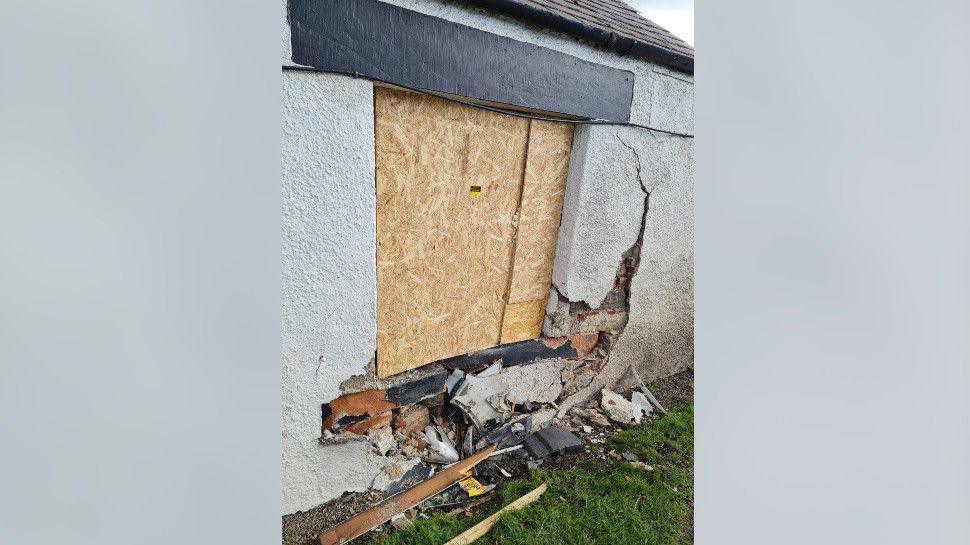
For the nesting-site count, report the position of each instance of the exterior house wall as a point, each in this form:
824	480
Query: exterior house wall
329	240
329	277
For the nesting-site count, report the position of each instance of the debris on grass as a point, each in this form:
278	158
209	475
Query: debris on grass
643	388
552	441
394	505
484	526
648	499
618	409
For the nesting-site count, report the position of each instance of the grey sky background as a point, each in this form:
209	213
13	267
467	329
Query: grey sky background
677	16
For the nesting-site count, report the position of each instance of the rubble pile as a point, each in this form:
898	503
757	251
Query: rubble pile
500	420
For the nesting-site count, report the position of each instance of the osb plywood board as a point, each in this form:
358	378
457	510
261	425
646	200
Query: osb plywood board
523	321
444	250
542	196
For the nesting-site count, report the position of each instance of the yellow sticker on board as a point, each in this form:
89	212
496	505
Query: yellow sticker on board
473	487
475	190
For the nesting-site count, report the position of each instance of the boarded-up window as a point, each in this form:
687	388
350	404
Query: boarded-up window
468	209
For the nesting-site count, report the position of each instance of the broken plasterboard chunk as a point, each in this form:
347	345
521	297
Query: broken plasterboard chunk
540	382
491	370
642	403
441	446
454	379
618	409
472	397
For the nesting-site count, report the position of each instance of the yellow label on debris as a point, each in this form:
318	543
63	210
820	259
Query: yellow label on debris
473	487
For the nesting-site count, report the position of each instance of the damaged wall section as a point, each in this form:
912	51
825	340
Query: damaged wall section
659	337
614	171
601	215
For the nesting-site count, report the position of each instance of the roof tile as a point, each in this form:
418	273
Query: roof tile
618	16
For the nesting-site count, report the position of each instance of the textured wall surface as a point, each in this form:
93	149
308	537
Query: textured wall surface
286	51
328	307
602	213
659	338
329	284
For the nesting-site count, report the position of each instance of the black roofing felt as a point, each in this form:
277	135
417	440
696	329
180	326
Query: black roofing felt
620	26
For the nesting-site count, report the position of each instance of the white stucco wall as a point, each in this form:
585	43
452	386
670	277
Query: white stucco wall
328	304
329	276
659	336
602	213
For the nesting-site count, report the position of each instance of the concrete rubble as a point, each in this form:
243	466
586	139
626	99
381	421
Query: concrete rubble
382	439
618	409
509	411
392	472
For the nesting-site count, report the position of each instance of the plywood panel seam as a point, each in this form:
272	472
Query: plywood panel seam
515	233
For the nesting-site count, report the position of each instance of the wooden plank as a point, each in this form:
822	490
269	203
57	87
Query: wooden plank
542	196
386	509
482	528
544	186
523	321
442	247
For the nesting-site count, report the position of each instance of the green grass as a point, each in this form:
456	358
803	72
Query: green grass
600	502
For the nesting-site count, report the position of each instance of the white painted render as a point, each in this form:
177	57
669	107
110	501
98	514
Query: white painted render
286	47
601	215
659	336
329	276
329	284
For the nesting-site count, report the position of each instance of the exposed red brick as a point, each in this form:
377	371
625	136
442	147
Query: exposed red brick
368	402
598	320
584	343
360	428
554	342
412	419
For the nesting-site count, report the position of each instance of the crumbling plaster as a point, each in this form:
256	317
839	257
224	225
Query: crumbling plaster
659	336
329	279
328	301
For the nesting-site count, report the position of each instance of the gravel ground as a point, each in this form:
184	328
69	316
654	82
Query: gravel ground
302	528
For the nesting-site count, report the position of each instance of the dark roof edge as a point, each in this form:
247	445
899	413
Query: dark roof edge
601	37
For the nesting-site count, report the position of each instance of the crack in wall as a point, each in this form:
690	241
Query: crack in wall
631	259
636	155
